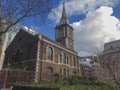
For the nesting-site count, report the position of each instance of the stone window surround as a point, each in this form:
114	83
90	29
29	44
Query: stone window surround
58	46
74	59
49	46
52	44
62	71
47	61
59	61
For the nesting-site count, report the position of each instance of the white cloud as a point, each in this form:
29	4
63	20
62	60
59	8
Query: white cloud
98	27
76	7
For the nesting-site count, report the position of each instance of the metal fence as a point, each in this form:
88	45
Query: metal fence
15	76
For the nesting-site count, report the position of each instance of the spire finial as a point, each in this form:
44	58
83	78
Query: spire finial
64	11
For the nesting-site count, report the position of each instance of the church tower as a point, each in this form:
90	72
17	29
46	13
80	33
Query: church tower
64	32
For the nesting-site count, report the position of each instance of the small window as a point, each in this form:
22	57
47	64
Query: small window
50	53
49	70
64	72
60	71
74	72
67	71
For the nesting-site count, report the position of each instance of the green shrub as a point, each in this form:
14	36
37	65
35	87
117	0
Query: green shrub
59	86
33	88
78	80
56	77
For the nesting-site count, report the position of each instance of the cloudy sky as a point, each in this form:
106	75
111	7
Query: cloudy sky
95	22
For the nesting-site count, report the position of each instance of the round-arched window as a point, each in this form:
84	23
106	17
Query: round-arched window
74	61
64	58
50	53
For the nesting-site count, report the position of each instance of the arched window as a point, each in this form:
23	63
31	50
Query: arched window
49	70
17	56
61	71
67	60
29	52
64	58
64	72
50	53
74	61
60	58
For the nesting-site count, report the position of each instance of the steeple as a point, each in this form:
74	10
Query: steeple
64	32
64	19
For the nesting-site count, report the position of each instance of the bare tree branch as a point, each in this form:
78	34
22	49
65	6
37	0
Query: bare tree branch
20	9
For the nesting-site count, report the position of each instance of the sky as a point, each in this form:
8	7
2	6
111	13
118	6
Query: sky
95	22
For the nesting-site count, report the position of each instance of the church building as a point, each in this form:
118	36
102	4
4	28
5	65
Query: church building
43	56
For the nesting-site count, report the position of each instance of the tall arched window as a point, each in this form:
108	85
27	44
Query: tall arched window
64	58
17	56
60	58
67	60
29	52
50	53
74	61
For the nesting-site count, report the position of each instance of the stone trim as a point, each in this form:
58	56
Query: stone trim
47	61
59	47
37	64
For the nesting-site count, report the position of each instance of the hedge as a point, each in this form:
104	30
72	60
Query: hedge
33	88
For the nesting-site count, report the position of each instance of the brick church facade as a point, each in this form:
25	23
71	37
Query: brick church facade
42	55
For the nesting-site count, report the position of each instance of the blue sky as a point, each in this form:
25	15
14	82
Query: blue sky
95	22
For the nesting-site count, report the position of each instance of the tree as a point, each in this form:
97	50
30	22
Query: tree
14	11
110	66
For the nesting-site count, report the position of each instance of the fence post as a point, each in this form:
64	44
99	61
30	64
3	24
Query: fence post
5	78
